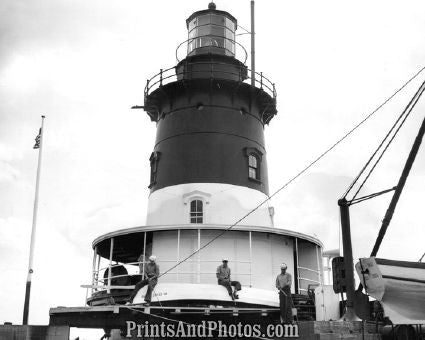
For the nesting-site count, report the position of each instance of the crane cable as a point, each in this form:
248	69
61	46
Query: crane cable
400	185
403	117
388	134
317	159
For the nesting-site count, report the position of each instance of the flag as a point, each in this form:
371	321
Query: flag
37	140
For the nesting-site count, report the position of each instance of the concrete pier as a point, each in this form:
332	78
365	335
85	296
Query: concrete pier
115	317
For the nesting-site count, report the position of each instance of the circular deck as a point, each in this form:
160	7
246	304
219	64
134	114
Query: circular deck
255	254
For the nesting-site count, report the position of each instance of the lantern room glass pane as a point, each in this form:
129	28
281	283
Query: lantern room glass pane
192	33
192	24
230	24
191	46
203	20
217	31
204	30
230	35
218	20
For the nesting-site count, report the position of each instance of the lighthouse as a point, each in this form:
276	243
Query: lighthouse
208	174
208	180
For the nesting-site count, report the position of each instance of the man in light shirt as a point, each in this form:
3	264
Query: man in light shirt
149	277
223	277
283	284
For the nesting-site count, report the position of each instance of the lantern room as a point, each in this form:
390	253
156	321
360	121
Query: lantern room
211	31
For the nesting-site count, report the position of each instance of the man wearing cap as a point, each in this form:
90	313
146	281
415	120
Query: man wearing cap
150	278
223	276
283	284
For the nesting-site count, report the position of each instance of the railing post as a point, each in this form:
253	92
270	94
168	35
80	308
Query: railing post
144	257
111	250
319	264
199	256
178	254
160	78
250	259
261	82
274	92
297	267
146	89
97	270
94	277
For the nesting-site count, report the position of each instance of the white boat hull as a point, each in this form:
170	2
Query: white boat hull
398	285
167	292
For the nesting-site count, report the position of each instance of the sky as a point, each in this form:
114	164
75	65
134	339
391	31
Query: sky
83	64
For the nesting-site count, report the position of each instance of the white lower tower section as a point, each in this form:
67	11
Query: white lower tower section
221	204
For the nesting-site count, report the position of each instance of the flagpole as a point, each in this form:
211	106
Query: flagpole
252	43
34	224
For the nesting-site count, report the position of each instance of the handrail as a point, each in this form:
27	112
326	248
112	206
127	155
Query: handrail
162	261
309	269
102	283
101	287
311	280
171	272
129	287
162	77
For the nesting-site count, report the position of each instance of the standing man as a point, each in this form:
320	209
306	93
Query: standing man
150	278
223	276
283	284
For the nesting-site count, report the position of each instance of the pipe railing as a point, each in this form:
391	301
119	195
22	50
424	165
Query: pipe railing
105	283
301	278
310	280
101	286
309	269
137	263
96	272
169	75
171	273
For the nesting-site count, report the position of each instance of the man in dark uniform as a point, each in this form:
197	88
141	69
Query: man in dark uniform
223	276
283	284
150	278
